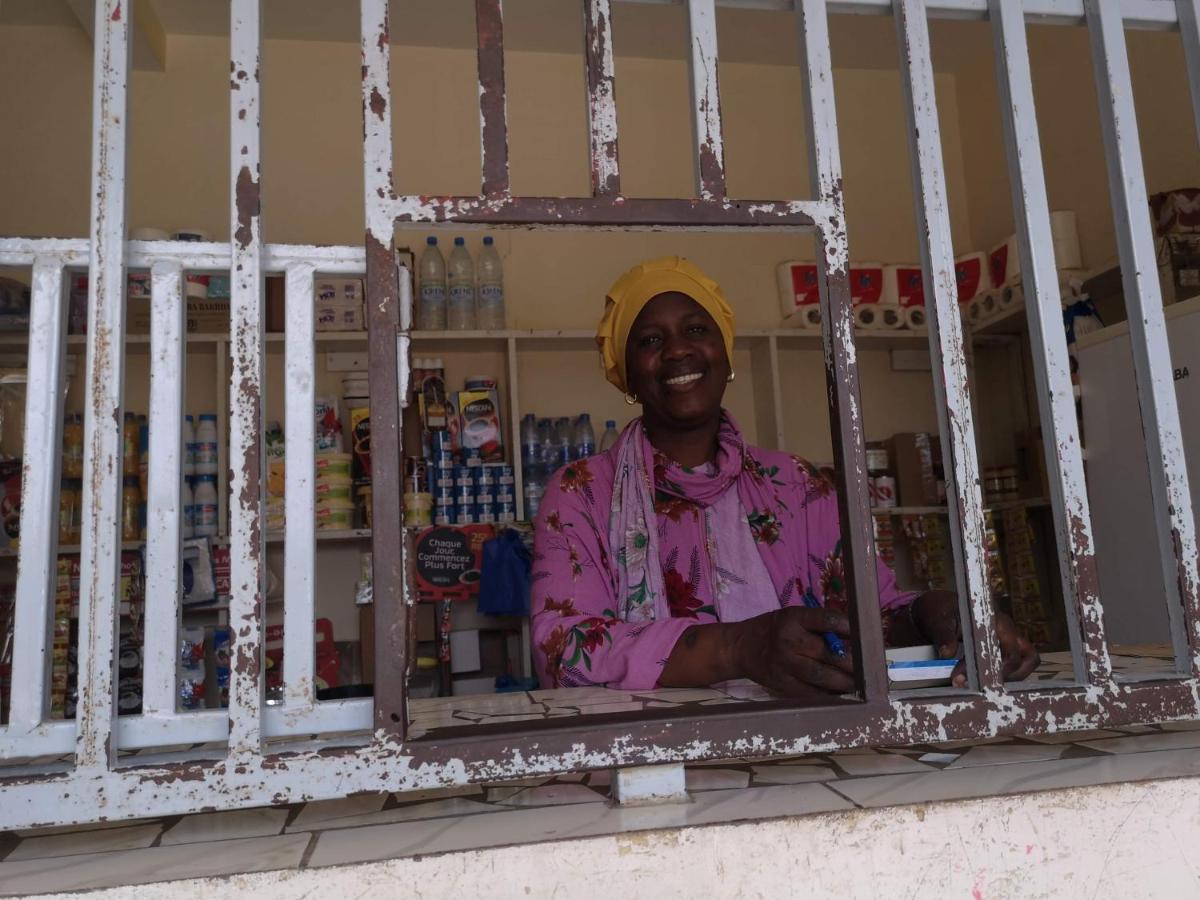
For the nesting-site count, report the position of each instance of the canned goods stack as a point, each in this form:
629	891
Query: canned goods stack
462	489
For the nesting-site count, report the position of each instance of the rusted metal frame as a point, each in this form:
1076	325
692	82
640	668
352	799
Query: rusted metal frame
299	572
385	315
493	115
841	370
951	391
587	742
36	564
1189	32
246	539
706	99
100	553
1174	521
626	212
1052	374
602	98
164	501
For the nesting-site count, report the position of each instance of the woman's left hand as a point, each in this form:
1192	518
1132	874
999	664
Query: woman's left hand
936	615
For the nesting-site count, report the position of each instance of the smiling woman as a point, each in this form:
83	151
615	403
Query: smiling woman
683	557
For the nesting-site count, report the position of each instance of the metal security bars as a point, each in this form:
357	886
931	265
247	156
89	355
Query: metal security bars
362	745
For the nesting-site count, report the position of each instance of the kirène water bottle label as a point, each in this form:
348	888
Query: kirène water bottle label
491	292
433	293
462	293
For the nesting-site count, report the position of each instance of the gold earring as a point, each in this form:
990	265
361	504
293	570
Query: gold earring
730	378
631	399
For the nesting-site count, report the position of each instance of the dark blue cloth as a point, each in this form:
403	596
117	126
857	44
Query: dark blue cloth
504	582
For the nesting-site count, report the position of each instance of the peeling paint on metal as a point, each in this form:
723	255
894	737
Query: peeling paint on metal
602	98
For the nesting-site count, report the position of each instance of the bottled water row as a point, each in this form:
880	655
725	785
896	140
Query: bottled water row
548	444
451	298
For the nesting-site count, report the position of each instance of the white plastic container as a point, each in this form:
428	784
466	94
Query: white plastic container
189	446
431	310
188	502
205	506
489	304
460	308
206	445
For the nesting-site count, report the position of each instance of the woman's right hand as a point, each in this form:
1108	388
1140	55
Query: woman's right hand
785	652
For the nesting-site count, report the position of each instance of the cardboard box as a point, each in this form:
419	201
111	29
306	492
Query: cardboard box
913	458
479	423
203	316
340	315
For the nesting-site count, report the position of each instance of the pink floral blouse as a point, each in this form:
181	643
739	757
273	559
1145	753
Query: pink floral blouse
782	507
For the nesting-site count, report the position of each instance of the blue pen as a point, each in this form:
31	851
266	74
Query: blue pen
832	641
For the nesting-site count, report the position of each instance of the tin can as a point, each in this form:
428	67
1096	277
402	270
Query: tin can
440	442
487	518
503	509
472	456
443	516
505	495
443	478
486	477
504	475
464	477
465	518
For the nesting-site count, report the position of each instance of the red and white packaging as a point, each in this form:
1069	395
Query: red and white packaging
968	272
903	286
866	283
882	491
797	286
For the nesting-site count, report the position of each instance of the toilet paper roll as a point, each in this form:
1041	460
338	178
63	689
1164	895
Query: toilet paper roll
892	316
914	317
1064	230
983	307
1011	297
868	317
809	318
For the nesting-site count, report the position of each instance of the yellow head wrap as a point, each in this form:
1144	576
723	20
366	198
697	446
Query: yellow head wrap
637	287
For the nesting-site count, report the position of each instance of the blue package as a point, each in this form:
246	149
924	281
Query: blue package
504	582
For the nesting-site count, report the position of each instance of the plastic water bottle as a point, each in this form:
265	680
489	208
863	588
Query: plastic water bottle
549	452
431	311
610	435
204	515
206	445
562	440
490	302
531	447
585	437
460	309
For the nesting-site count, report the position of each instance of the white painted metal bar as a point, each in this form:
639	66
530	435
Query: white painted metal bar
953	399
100	556
205	726
1052	374
1189	31
164	506
377	127
706	99
36	566
602	98
193	257
246	543
299	573
1147	331
840	353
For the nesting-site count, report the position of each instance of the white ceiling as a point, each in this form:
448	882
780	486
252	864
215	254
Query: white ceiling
657	30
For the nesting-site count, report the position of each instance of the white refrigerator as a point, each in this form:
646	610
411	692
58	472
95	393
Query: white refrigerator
1131	577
